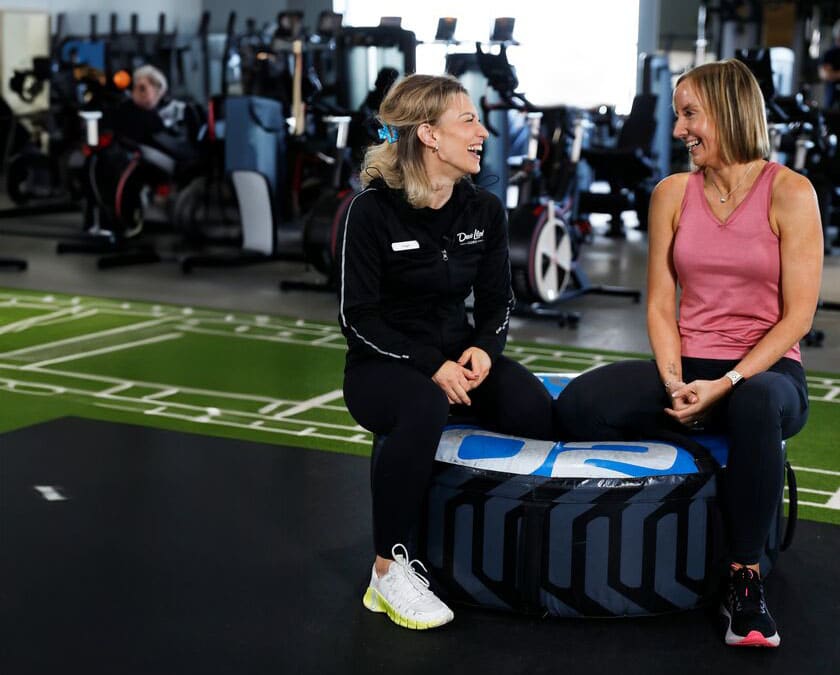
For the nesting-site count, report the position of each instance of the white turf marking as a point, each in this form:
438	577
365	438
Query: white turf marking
308	404
271	407
827	472
116	389
326	338
834	501
160	385
266	338
166	393
50	493
85	337
801	502
812	491
103	350
43	319
160	412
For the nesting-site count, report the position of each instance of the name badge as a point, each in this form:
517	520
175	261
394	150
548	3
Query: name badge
405	245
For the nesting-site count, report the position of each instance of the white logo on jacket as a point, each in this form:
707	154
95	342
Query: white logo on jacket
468	238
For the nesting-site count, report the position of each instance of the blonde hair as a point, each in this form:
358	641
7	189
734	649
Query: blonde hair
415	100
733	99
153	75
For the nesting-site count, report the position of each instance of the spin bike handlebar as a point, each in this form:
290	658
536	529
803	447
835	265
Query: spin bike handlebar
514	101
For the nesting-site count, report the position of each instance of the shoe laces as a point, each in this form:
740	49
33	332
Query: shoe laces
417	580
747	591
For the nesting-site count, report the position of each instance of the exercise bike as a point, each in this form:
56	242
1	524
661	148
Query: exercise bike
545	240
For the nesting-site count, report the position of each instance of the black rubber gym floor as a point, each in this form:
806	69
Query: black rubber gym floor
134	550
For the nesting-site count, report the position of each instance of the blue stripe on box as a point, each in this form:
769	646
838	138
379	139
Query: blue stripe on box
683	464
554	384
489	447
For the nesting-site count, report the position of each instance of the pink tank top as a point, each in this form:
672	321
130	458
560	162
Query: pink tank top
728	272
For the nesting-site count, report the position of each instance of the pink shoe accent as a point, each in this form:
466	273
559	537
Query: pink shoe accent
754	639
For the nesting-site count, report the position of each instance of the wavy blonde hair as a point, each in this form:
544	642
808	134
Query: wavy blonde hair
415	100
730	92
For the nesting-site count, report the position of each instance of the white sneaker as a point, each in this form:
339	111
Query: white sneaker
404	595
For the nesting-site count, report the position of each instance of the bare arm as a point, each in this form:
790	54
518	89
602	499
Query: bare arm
662	278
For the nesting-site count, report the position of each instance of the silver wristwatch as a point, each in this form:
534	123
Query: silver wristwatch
734	377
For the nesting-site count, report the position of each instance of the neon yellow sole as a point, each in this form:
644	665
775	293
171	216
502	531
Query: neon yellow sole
376	603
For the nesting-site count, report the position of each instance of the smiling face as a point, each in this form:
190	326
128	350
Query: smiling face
459	136
695	127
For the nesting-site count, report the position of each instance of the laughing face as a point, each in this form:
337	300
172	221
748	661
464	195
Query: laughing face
694	127
460	139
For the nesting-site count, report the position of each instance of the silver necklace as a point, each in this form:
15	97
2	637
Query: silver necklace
724	197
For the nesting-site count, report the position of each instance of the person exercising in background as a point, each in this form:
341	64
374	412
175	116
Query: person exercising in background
830	70
148	117
417	241
138	117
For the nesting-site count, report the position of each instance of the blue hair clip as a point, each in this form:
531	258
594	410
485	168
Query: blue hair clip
388	133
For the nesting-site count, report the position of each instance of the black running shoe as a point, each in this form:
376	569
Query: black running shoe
749	623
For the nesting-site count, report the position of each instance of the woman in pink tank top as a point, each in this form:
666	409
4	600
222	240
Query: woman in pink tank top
739	241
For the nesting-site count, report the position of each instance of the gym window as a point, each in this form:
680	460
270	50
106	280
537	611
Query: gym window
581	54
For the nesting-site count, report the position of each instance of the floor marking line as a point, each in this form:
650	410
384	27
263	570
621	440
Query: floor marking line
63	316
158	385
116	389
834	501
104	350
50	493
161	394
88	336
161	412
827	472
800	502
271	407
326	338
813	491
22	324
309	404
265	338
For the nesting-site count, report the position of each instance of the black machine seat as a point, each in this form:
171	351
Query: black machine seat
625	166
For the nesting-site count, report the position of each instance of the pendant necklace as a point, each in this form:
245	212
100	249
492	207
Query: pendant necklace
724	197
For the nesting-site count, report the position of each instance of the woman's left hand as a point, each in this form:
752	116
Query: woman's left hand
478	362
694	400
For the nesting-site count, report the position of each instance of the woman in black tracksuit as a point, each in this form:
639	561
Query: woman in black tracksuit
417	241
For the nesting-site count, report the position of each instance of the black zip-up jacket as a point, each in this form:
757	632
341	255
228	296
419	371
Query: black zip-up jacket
403	290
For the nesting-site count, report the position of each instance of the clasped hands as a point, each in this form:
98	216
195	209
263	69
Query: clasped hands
457	378
691	402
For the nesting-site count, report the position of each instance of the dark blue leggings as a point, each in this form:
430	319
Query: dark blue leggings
395	400
625	401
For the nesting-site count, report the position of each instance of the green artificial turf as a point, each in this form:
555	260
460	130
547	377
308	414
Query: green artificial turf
256	377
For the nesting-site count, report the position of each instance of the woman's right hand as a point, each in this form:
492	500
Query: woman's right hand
455	381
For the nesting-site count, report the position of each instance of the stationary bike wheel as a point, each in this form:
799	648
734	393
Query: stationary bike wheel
541	253
31	175
321	231
130	200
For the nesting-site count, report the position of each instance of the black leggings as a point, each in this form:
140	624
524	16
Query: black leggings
625	401
395	400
